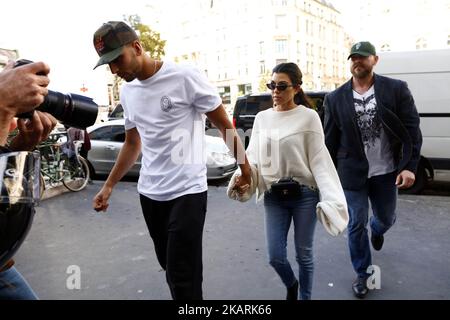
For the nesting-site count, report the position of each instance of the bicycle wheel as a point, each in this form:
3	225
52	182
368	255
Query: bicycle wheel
79	176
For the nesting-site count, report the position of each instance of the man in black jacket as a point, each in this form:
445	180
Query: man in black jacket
372	133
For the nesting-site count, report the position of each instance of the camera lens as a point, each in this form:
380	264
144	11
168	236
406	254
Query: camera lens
71	109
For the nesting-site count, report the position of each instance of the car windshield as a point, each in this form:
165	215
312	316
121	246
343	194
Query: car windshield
250	109
109	133
117	112
254	105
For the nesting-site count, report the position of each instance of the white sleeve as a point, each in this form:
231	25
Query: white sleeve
204	96
126	115
332	209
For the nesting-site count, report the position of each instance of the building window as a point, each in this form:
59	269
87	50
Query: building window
281	46
448	40
421	43
278	61
261	48
248	88
298	47
224	93
262	67
309	27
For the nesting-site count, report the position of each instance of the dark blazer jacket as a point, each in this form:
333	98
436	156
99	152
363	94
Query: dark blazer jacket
400	120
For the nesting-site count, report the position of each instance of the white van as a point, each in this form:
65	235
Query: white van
427	73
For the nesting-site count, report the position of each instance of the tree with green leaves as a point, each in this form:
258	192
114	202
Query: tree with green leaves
150	39
263	80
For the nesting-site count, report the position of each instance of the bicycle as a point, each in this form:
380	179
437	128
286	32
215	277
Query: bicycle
58	167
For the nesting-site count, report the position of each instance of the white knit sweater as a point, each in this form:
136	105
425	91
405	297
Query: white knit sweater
291	143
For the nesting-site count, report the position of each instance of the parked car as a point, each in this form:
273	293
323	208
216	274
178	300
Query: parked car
248	106
117	113
107	139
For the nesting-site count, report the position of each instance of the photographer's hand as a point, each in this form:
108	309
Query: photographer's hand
23	88
32	132
100	201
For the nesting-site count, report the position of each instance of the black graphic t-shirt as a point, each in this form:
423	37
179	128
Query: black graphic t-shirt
376	143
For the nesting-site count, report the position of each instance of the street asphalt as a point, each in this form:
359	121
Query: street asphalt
116	260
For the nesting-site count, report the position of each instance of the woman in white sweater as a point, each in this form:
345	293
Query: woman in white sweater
288	142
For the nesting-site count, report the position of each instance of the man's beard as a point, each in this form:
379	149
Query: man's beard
128	77
361	73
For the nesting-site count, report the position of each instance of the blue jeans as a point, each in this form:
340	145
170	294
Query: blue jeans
382	192
278	217
14	287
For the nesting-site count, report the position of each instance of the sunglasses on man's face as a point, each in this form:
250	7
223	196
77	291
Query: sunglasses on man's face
280	86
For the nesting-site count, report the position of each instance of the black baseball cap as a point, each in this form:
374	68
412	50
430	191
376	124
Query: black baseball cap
363	48
110	39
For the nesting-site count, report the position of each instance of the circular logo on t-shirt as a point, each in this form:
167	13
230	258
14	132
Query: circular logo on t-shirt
166	104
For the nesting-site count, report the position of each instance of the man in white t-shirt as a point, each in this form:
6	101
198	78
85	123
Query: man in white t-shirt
164	104
373	135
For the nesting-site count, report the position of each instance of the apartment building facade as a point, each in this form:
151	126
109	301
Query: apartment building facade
238	42
405	25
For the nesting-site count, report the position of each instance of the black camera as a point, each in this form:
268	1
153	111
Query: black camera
71	109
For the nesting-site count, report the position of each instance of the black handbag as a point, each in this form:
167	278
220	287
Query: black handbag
286	189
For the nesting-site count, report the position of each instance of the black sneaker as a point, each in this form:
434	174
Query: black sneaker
377	241
292	292
359	287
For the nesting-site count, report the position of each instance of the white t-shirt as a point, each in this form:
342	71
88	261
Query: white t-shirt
167	110
376	143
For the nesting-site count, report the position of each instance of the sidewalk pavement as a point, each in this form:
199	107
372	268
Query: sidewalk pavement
116	256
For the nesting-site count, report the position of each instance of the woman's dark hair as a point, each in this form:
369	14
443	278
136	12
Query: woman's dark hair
295	75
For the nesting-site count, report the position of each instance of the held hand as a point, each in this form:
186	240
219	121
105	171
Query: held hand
100	201
242	183
405	179
34	131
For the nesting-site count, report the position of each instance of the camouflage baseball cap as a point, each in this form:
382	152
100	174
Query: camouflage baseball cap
363	48
110	39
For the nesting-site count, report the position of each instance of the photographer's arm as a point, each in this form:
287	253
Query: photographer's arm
126	159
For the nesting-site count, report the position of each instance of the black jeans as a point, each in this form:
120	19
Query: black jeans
176	227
